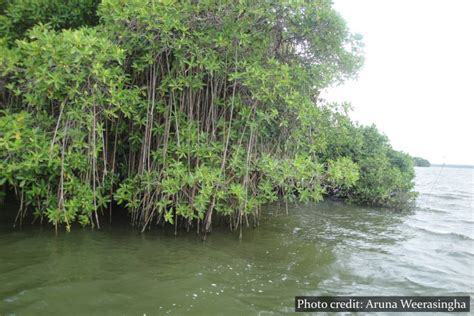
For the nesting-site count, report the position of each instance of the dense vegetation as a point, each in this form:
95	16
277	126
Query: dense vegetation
183	111
421	162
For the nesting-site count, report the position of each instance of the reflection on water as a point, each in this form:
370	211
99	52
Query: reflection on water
328	248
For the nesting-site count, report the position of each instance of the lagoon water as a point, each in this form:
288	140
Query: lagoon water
323	249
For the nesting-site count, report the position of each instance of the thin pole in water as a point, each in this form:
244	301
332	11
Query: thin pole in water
435	182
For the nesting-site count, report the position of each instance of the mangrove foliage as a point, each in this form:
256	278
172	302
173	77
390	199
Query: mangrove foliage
183	112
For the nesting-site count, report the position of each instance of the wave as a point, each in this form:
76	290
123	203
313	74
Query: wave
460	254
434	232
432	210
448	196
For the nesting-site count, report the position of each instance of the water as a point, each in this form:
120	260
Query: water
329	248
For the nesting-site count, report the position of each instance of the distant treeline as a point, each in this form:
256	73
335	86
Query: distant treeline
420	162
183	111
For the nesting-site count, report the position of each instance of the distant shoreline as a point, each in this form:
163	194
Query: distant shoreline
452	166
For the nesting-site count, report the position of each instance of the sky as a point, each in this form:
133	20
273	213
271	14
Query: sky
417	84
